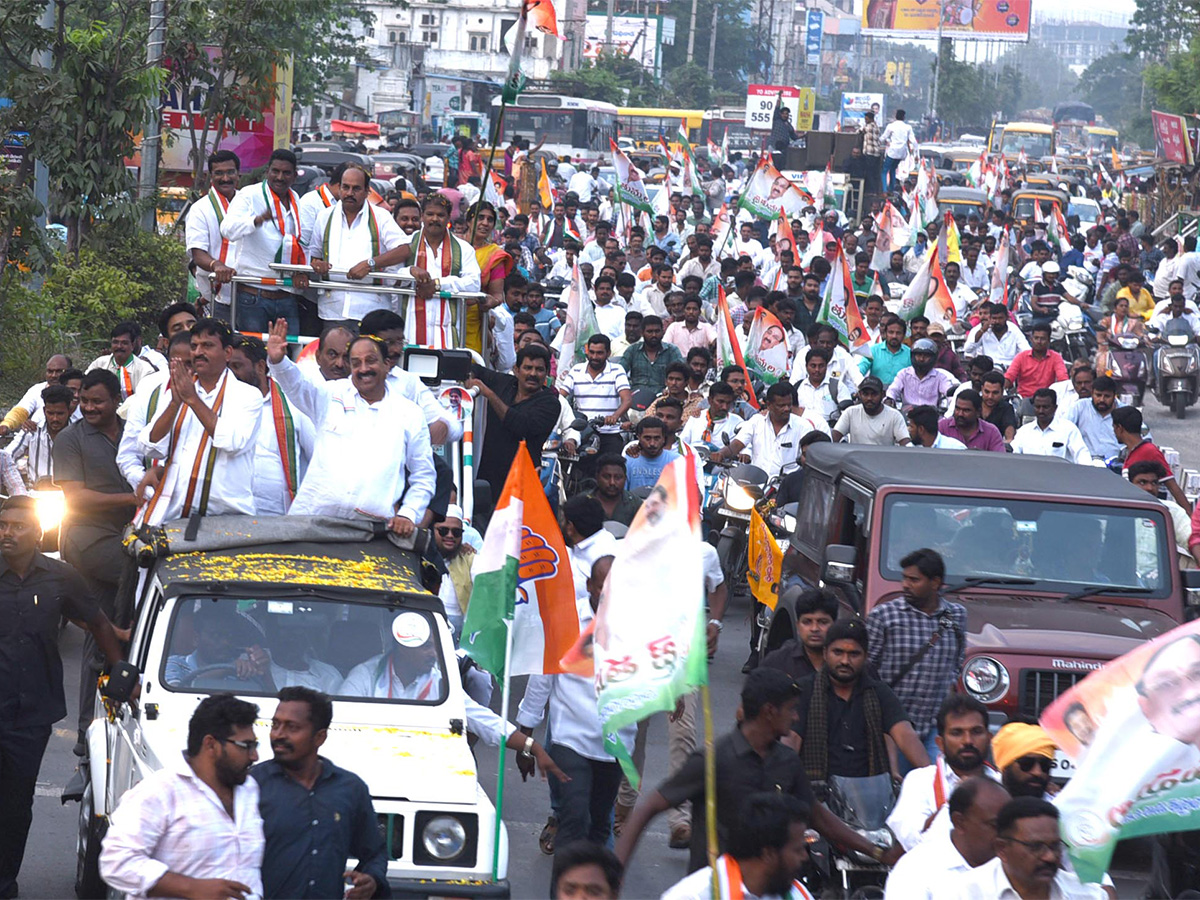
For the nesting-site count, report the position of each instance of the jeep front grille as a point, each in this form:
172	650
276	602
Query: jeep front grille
1041	687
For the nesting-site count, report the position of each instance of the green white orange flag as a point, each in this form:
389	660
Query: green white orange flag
630	187
840	309
541	16
691	175
545	191
729	350
999	284
767	353
648	655
580	324
928	295
521	580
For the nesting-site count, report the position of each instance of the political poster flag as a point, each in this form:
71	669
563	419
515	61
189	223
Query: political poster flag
630	187
764	561
1130	734
580	324
891	234
840	307
648	655
769	194
999	285
927	295
729	349
767	347
521	580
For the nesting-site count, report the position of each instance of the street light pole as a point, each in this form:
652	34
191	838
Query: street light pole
152	136
937	63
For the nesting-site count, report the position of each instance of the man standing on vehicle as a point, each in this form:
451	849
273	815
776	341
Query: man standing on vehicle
898	141
1050	435
965	424
214	255
193	829
773	440
123	362
315	814
1037	367
965	744
918	642
264	220
36	593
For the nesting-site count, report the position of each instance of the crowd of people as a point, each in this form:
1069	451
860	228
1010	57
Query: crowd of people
222	414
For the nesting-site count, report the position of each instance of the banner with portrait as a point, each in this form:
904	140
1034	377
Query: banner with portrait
1131	731
767	347
770	194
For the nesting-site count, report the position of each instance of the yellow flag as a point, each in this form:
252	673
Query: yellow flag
765	562
545	195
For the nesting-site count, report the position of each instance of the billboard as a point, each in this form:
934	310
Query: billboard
761	100
853	107
632	36
1003	20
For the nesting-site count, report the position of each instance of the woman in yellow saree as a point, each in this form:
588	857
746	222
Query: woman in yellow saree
494	266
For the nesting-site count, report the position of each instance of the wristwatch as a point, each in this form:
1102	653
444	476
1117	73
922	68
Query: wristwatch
717	624
371	263
527	750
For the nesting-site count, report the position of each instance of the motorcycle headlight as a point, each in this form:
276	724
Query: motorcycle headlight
985	679
737	497
1177	340
51	505
444	837
1127	342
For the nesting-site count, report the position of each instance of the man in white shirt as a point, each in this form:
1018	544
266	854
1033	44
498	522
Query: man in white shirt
871	421
129	368
652	300
584	184
975	273
440	264
610	318
713	424
995	336
773	441
702	265
27	411
1167	268
1180	319
152	395
215	256
193	827
322	197
965	744
898	142
372	458
37	447
356	236
745	244
1147	474
923	430
815	394
206	434
1028	860
963	297
264	220
285	435
1050	436
973	807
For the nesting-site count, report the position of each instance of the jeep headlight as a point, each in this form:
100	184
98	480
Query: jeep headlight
50	506
444	837
985	679
737	497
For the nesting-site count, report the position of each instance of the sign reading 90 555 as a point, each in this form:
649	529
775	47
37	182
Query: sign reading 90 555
761	100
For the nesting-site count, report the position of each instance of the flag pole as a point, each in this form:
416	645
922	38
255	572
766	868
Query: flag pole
508	644
497	130
710	789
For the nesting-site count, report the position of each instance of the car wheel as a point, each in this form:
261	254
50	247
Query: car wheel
88	883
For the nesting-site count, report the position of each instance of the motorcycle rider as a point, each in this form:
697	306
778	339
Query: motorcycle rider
1093	418
994	336
964	298
817	393
1037	367
718	420
921	384
871	421
1177	311
773	440
1046	294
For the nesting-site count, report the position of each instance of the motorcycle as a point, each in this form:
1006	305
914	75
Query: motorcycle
737	489
1070	335
1128	367
1177	368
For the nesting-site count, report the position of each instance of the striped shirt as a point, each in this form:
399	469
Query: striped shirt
595	395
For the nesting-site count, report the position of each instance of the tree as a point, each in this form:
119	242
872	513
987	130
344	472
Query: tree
1161	28
1113	85
690	86
739	51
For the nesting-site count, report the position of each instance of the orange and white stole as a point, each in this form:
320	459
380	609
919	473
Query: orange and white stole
442	336
289	250
730	887
220	207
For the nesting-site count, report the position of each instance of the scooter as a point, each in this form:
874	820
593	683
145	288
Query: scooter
1128	367
1177	368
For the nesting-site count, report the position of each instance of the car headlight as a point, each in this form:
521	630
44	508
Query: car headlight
51	505
444	837
738	497
985	679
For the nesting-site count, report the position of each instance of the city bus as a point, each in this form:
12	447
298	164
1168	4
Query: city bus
732	121
644	125
1035	138
581	129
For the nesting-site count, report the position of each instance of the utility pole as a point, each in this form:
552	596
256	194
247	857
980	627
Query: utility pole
41	175
712	42
692	33
937	65
608	26
152	134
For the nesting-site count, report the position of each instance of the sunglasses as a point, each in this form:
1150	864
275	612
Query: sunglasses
1028	762
248	746
448	532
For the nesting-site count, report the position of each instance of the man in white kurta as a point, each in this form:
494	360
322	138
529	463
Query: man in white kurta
439	263
205	434
215	256
372	457
358	237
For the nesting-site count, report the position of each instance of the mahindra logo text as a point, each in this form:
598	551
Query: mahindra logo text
1075	664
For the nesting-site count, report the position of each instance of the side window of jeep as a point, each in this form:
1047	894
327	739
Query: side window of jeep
813	514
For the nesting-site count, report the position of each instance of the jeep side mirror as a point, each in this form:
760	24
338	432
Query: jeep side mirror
840	560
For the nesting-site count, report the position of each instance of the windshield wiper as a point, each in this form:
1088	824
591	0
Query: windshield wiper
1093	589
978	580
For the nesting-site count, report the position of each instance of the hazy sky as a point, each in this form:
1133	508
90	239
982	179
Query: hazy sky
1077	9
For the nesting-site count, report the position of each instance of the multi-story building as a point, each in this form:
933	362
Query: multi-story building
1078	43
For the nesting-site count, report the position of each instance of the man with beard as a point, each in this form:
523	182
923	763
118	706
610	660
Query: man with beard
965	424
891	355
168	838
996	409
870	421
994	336
214	255
1028	861
285	435
1038	367
1093	418
315	814
1049	435
972	809
921	384
964	741
841	727
764	857
804	655
1024	754
1075	388
619	504
144	404
808	305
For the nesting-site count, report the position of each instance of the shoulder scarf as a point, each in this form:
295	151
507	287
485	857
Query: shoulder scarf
729	882
384	670
285	436
372	229
451	265
326	197
815	750
126	378
295	254
220	206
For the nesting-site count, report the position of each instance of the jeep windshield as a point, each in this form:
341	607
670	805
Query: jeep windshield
351	651
1060	547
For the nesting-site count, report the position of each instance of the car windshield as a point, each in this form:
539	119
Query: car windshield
1060	546
1087	214
348	650
1032	143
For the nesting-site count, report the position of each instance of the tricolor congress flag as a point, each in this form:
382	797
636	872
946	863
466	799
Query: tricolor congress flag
522	580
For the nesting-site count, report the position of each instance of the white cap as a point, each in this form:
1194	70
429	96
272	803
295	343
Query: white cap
454	511
1051	266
